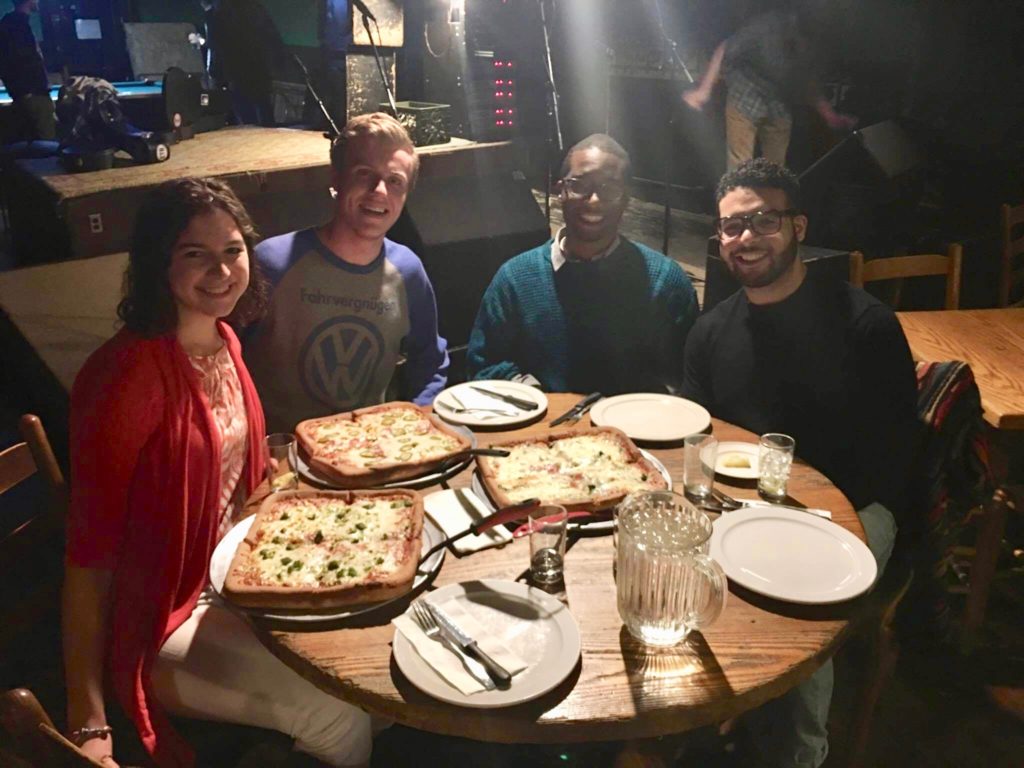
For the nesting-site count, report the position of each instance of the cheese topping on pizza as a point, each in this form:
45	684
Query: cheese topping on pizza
572	469
326	542
396	435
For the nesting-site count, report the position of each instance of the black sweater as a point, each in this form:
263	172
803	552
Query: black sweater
830	366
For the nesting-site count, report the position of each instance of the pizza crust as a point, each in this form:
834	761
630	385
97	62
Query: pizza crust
344	473
582	500
247	586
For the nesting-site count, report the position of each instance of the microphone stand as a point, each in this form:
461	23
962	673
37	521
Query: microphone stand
554	119
380	64
332	131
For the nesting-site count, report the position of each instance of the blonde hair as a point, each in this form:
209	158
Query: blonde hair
380	126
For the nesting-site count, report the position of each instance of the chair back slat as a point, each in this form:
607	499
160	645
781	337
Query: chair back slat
924	265
1011	272
16	466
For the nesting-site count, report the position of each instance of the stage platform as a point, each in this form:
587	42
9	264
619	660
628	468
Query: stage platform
281	174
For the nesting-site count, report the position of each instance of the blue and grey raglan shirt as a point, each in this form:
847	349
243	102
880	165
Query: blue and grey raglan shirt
334	331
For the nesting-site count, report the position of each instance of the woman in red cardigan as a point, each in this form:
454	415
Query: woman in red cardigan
166	444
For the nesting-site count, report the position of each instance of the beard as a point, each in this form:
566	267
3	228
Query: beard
779	264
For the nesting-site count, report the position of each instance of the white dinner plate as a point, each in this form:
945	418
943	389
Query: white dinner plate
225	552
650	416
311	475
749	451
534	625
597	525
497	413
792	556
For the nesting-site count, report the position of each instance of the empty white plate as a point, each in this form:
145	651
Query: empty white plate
650	416
792	556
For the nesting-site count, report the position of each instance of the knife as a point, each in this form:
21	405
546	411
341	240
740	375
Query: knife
518	402
744	503
579	409
498	673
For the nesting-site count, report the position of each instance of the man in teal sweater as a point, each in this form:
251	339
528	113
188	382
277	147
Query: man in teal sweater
589	310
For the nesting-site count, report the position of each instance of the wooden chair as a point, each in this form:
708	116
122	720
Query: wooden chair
873	651
1011	273
33	738
898	267
30	544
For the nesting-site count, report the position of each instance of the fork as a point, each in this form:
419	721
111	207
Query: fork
425	621
463	409
729	504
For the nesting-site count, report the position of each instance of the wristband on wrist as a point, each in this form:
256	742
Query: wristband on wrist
79	736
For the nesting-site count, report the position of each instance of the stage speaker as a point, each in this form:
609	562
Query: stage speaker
719	284
861	194
464	228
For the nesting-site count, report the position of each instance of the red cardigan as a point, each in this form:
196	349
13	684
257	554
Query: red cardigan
145	490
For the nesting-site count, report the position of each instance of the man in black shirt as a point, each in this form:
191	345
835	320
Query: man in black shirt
816	359
24	72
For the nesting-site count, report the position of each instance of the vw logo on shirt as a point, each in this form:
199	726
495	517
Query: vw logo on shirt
339	361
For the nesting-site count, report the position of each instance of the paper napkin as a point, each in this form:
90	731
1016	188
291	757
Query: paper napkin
444	508
445	662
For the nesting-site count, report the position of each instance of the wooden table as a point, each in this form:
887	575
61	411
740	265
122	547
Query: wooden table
991	341
757	650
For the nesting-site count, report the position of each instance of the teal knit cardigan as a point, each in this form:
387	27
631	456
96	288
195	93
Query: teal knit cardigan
523	327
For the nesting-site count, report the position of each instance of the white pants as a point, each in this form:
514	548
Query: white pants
214	668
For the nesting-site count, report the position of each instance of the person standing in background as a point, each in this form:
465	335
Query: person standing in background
24	73
246	53
767	65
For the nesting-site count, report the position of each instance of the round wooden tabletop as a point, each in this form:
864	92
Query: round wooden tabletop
758	649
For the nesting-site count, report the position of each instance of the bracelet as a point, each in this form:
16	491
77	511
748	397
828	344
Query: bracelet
79	736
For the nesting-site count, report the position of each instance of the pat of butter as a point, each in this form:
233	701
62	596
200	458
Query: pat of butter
737	460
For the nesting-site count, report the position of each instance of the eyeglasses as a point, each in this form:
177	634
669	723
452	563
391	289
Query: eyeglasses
759	222
581	188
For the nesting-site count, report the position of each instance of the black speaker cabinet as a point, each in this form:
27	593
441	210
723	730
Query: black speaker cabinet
719	284
861	194
464	228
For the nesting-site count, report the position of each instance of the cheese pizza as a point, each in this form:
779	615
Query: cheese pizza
328	549
586	470
378	445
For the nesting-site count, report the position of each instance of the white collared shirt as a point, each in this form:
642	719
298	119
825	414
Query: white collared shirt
558	257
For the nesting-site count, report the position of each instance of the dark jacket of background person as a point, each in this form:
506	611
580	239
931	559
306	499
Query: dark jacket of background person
246	50
21	63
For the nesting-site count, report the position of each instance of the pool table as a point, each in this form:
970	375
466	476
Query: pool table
131	89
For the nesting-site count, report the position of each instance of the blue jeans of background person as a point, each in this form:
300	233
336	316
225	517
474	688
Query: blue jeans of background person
791	731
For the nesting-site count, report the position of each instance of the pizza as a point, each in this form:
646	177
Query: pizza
588	469
328	549
377	445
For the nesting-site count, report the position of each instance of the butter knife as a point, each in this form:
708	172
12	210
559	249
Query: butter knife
577	410
453	632
518	402
745	503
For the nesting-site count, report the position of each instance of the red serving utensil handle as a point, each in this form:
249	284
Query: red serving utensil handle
505	515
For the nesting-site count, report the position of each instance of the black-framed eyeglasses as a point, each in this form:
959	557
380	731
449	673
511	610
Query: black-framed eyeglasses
581	188
760	223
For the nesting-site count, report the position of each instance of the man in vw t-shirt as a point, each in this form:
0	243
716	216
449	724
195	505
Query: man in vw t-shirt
345	302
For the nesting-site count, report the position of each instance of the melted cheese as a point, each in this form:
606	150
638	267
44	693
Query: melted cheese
574	469
383	438
324	542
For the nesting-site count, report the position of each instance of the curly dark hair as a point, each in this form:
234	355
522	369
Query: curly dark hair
761	173
147	305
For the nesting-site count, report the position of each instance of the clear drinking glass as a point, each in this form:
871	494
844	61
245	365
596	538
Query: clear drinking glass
281	462
775	457
666	584
700	453
548	525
